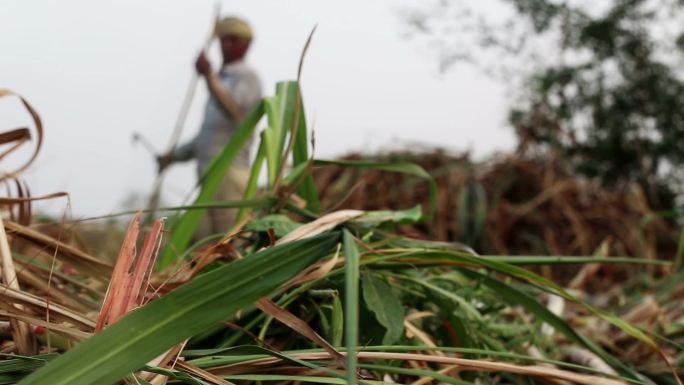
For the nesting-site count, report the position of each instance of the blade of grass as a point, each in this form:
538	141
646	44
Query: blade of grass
20	330
351	308
337	321
300	154
252	183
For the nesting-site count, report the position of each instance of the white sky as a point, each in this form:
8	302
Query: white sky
97	71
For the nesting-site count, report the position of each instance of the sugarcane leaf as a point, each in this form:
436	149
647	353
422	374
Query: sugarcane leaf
300	148
281	224
411	215
351	305
252	182
378	297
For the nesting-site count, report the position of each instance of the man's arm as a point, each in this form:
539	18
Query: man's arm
216	88
187	150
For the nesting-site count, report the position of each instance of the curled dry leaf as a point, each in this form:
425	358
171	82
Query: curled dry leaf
20	135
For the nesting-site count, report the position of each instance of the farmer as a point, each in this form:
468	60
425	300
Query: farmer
234	90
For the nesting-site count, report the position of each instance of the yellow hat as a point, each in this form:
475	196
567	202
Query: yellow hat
233	26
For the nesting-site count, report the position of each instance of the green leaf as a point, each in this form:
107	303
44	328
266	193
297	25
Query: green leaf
337	322
351	305
295	174
411	215
379	299
472	211
468	310
281	224
274	134
286	105
211	297
300	149
253	181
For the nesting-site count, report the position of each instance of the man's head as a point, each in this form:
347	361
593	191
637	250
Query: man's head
235	36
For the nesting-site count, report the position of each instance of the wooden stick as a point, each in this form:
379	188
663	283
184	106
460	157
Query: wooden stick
21	333
153	201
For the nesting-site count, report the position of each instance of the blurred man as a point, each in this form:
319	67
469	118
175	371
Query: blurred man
234	90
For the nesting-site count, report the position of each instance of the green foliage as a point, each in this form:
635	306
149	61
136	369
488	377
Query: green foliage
351	305
601	82
615	107
281	224
378	296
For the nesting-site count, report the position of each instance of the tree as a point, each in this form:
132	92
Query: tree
606	91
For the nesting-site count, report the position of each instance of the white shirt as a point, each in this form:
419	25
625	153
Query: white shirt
244	85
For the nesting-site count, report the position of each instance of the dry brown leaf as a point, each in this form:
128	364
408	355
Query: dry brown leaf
536	371
17	136
68	253
9	296
64	329
39	130
412	331
320	225
587	358
295	323
68	299
446	370
316	271
113	301
203	374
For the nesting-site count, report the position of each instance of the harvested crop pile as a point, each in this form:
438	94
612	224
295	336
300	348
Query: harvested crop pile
508	205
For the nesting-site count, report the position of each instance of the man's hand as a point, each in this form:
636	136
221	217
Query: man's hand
202	64
163	161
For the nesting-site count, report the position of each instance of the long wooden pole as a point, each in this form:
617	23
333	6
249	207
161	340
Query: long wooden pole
153	202
21	331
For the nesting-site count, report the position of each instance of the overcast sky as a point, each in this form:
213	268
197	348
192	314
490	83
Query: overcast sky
98	71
